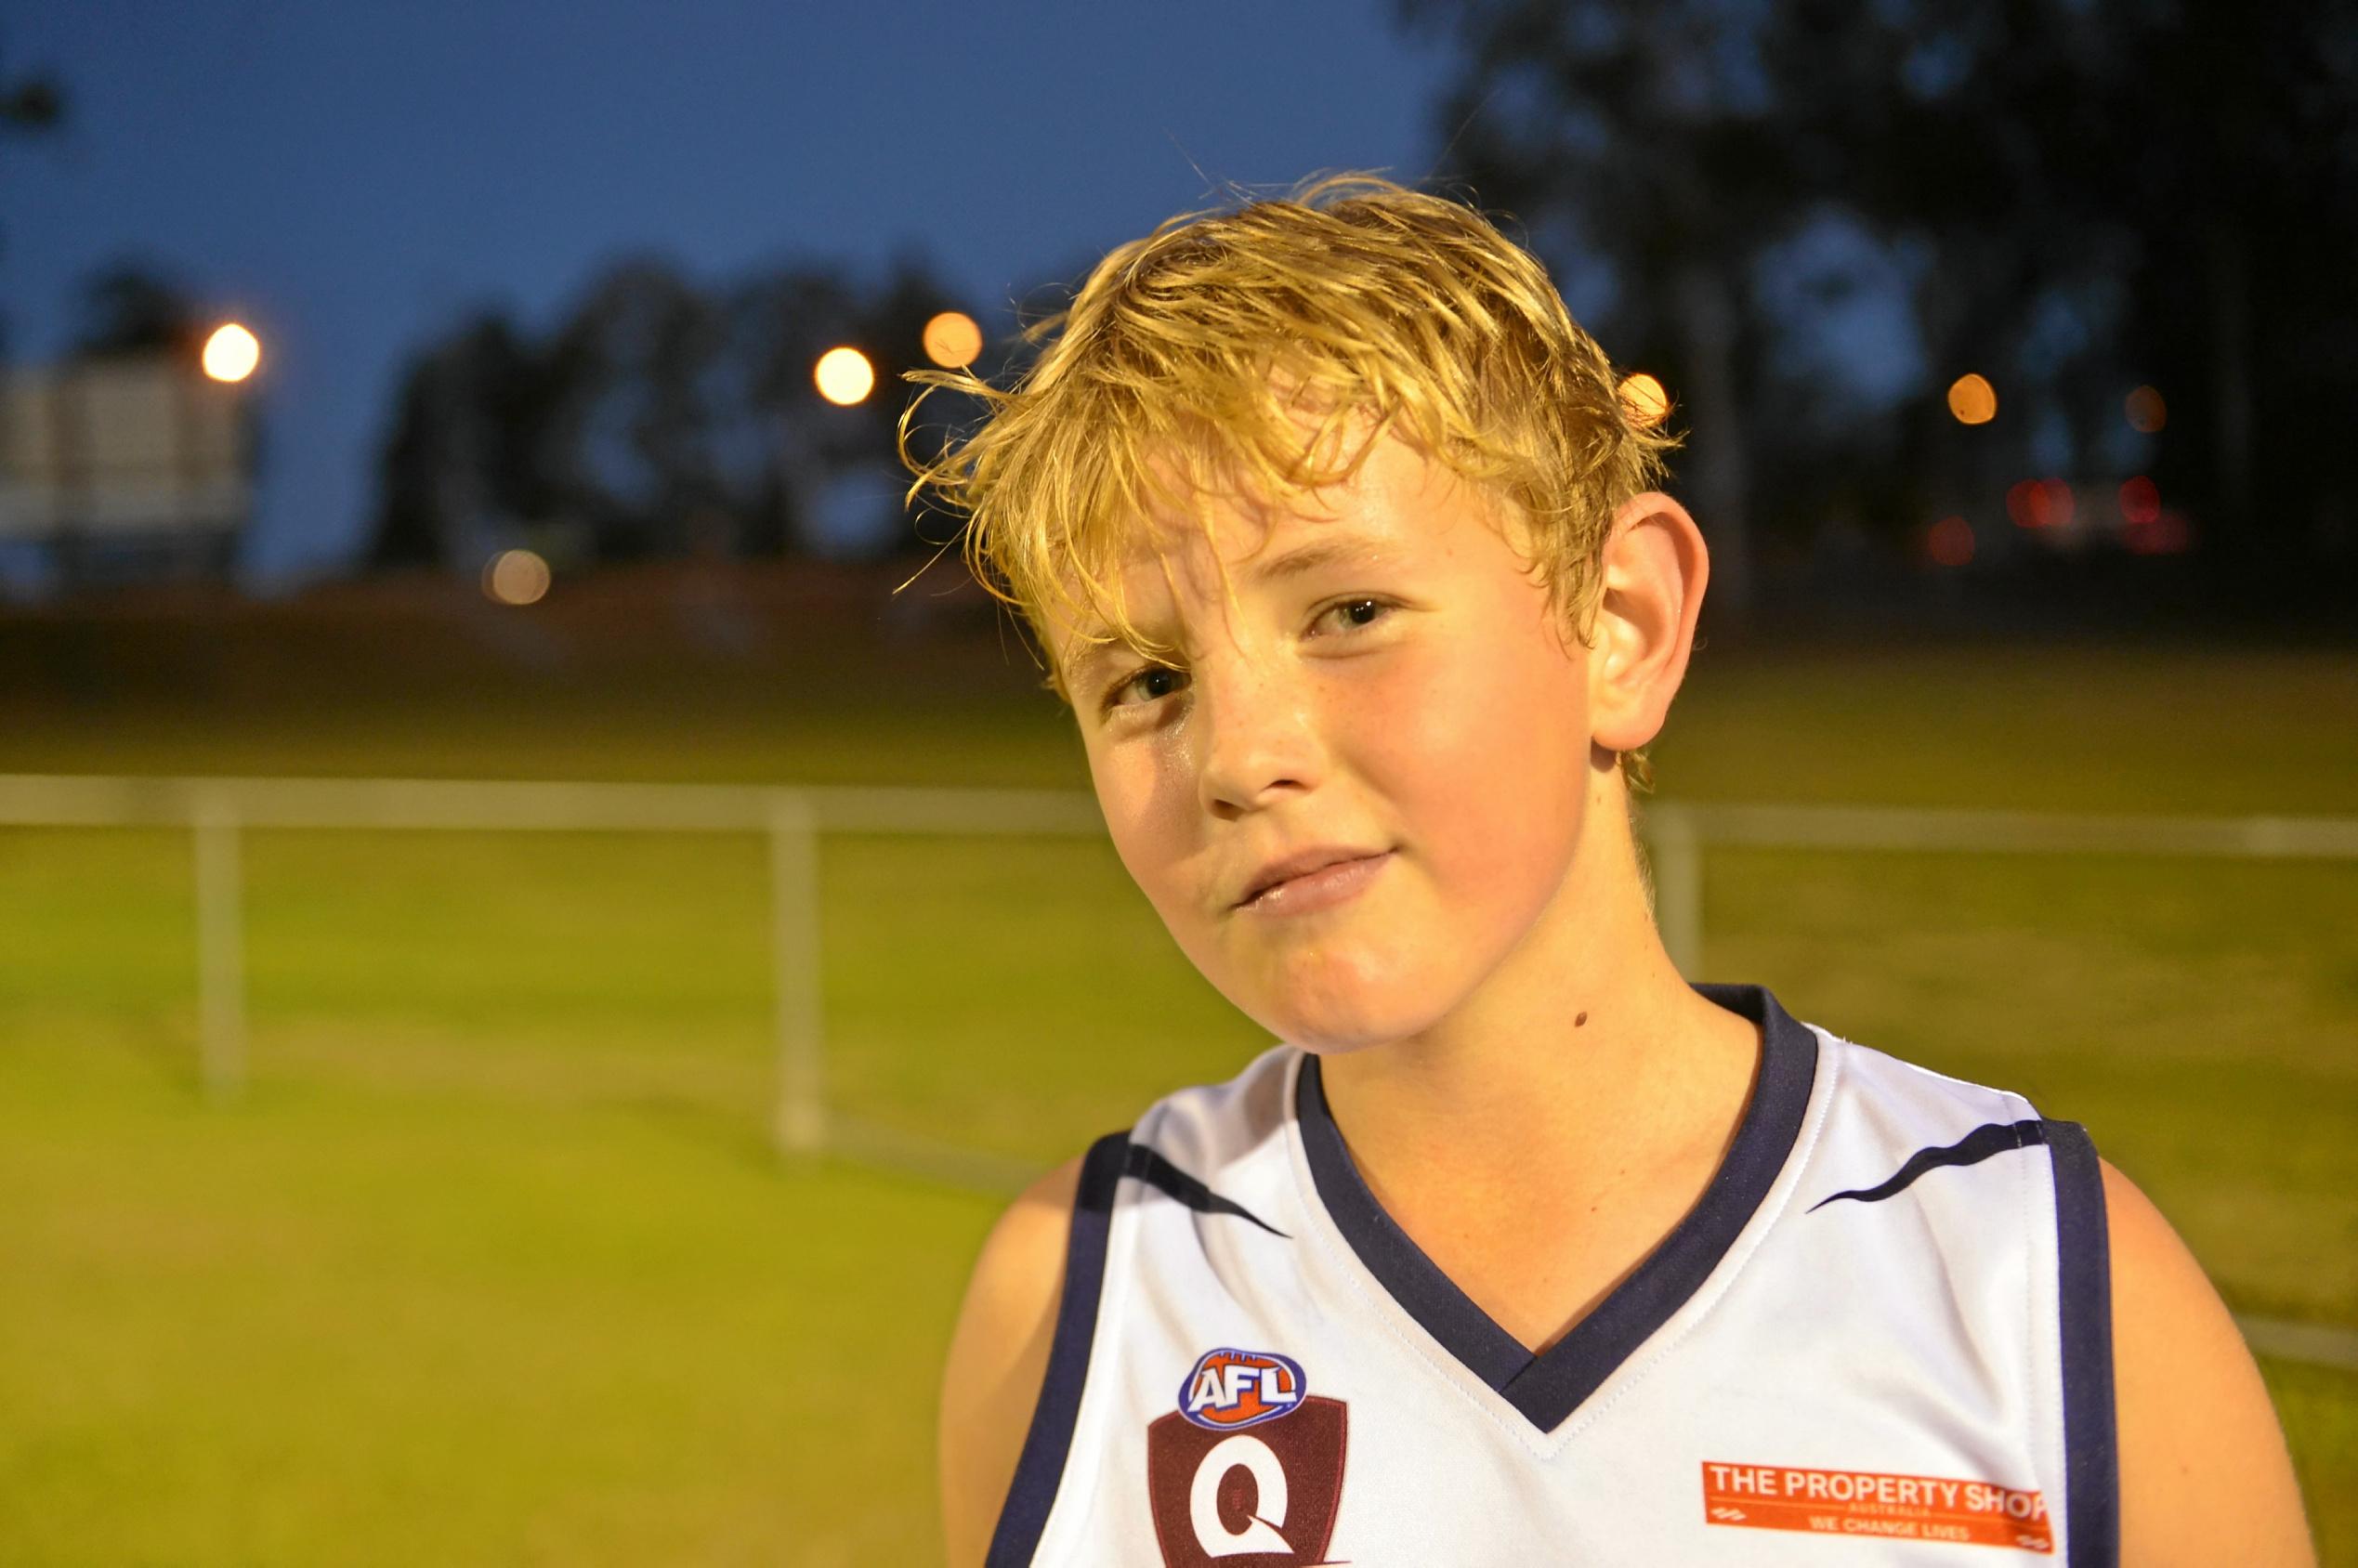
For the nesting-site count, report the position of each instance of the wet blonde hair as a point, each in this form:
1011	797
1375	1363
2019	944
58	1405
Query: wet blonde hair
1354	299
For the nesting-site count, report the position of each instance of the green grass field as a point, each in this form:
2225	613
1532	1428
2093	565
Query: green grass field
492	1263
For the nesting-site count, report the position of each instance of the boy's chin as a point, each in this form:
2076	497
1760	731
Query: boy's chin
1333	1029
1336	1047
1337	997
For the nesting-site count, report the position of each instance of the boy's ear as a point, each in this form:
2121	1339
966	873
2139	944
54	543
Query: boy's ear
1655	569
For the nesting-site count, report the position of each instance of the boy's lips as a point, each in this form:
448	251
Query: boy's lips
1307	878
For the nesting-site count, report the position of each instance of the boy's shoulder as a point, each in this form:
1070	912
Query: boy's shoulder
1881	1127
1004	1333
1870	1107
1870	1074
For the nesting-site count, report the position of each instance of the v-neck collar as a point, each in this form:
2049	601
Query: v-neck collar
1550	1386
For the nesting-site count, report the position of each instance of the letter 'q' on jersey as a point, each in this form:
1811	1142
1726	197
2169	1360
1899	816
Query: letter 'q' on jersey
1883	1336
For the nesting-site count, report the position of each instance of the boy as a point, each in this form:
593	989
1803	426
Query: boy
1520	1249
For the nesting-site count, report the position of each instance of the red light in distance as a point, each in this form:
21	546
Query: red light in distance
1949	541
2040	503
2140	501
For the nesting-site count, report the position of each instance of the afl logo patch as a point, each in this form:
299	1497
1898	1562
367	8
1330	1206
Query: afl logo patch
1259	1498
1231	1389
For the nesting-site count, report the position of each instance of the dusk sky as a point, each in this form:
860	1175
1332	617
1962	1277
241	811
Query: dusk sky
350	179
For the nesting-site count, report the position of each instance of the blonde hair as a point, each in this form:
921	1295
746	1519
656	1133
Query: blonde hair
1354	297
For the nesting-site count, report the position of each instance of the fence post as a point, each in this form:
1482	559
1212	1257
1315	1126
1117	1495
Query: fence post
1678	887
799	1121
220	946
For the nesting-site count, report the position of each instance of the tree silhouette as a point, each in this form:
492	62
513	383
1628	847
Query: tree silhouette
2086	194
1639	134
658	419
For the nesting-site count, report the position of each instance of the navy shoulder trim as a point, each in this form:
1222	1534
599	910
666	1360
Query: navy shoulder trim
2084	1282
1025	1514
1992	1138
1168	1178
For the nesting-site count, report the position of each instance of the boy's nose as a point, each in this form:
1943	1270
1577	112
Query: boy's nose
1258	743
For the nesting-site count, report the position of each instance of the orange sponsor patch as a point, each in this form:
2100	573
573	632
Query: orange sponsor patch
1905	1507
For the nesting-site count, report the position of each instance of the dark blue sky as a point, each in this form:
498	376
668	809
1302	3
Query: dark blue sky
349	179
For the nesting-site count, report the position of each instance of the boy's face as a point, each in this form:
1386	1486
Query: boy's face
1358	789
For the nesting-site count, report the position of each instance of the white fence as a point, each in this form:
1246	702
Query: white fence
792	820
215	811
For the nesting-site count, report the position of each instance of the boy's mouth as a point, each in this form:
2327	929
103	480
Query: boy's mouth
1317	877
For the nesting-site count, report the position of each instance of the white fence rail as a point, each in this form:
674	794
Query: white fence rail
216	812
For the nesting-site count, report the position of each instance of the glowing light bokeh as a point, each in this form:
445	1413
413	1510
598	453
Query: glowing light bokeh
844	376
231	353
2147	528
952	340
2146	411
1973	399
1643	396
516	577
2040	503
2140	501
1949	541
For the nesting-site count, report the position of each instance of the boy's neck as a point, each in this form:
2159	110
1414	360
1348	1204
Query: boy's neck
1586	1068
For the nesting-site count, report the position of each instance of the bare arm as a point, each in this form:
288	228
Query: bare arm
998	1358
2205	1478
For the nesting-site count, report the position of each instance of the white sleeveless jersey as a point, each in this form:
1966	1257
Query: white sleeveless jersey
1883	1336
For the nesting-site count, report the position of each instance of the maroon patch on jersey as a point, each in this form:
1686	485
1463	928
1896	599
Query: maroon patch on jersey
1262	1497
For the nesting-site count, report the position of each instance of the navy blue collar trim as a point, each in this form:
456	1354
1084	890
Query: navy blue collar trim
1549	1387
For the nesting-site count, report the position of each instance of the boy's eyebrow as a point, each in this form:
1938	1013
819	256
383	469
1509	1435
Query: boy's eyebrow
1308	557
1311	555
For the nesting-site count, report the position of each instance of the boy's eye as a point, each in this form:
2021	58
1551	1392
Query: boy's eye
1149	685
1350	614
